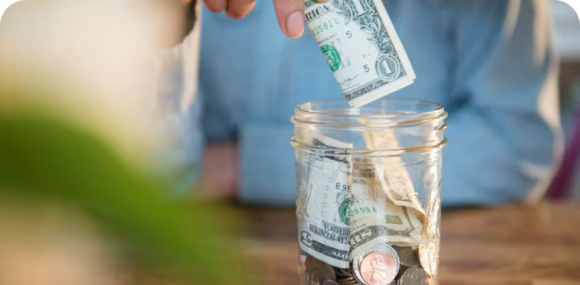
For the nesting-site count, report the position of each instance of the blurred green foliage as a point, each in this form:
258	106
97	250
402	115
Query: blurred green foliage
44	156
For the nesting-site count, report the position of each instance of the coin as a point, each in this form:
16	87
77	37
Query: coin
384	251
342	272
319	271
303	256
407	256
378	268
413	276
345	277
302	275
348	282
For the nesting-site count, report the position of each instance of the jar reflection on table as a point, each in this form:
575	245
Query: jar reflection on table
368	191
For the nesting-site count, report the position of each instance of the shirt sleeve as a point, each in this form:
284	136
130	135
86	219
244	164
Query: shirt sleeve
177	131
504	133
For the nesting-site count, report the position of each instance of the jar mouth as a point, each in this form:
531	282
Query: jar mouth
367	152
385	111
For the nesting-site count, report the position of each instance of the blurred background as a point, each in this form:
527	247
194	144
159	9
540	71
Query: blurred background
567	28
83	199
81	187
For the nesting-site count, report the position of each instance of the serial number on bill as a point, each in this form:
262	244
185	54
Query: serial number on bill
324	27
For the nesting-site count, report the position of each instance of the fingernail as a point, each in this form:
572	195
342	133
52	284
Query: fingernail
295	24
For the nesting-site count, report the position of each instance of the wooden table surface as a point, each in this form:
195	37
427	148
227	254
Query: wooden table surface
515	245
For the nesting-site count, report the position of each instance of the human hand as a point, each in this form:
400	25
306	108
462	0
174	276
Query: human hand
290	13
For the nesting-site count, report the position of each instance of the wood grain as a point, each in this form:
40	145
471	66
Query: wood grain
516	245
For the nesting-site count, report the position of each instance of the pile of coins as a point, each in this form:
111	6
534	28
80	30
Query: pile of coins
381	265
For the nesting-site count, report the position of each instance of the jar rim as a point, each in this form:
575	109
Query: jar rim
368	152
385	111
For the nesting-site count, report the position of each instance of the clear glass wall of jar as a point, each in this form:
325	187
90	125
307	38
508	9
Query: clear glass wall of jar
369	191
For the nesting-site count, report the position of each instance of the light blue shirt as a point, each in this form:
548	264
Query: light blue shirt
501	145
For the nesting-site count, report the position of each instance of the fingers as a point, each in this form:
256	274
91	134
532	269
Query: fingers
216	6
290	14
235	9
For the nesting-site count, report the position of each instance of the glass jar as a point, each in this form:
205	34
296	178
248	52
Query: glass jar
369	191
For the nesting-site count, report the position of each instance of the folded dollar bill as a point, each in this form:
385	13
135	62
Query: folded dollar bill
320	205
391	171
361	46
374	218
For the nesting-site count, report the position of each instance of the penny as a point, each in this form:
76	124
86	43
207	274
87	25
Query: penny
407	256
319	271
360	256
413	276
378	268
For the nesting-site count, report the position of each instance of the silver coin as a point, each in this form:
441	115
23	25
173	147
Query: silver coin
342	272
345	278
357	283
319	271
407	256
413	276
303	256
348	282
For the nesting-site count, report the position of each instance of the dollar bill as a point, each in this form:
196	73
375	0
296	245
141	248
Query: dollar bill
321	140
398	186
361	46
391	172
375	219
344	208
322	228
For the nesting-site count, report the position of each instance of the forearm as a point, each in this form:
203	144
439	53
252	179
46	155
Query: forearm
176	20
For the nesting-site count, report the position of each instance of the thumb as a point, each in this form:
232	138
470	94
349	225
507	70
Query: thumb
290	14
